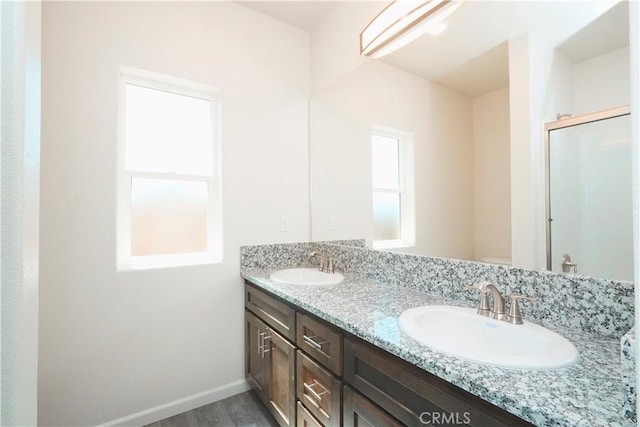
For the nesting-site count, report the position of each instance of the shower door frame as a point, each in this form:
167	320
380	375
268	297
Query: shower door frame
561	124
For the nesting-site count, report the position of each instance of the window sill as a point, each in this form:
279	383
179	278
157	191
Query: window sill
392	244
163	262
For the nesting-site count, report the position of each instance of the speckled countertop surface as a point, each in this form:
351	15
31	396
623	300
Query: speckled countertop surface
590	393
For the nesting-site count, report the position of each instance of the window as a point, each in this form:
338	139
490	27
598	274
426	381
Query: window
169	209
392	179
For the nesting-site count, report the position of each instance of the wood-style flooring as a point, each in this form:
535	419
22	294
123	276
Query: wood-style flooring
241	410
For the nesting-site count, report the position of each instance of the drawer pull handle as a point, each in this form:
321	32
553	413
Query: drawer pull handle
310	340
262	337
315	394
265	348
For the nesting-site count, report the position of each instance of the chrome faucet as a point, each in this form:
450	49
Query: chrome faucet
326	263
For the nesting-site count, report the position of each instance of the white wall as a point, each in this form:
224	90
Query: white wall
602	82
561	86
20	165
117	344
524	244
448	211
350	94
492	175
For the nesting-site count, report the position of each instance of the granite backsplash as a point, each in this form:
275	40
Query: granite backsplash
593	305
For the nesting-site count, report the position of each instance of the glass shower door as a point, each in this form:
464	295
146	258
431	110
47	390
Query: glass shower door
590	207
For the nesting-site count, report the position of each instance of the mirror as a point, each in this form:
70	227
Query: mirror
462	102
589	208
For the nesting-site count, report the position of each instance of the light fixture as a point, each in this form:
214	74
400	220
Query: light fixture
403	21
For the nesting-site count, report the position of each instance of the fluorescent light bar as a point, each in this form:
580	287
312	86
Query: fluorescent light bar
403	21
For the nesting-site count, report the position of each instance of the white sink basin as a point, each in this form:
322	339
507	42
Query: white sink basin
462	332
305	276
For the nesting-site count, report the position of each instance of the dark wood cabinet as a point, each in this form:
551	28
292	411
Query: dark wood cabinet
276	313
414	396
361	412
305	419
310	373
270	369
318	390
281	378
255	363
319	340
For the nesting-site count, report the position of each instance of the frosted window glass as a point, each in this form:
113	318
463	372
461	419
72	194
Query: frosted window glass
167	132
386	216
385	162
168	216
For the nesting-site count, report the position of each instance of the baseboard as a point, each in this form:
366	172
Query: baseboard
179	406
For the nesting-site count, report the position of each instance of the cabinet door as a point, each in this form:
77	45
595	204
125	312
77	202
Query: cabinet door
361	412
281	370
255	362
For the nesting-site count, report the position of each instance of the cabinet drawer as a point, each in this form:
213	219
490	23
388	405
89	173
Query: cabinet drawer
318	390
411	394
275	313
305	419
320	341
361	412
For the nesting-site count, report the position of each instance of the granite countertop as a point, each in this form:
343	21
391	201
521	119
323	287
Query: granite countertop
589	393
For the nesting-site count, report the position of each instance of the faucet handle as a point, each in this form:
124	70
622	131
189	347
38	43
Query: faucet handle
484	309
515	316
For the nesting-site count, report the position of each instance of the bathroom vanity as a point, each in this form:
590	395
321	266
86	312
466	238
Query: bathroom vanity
335	355
296	361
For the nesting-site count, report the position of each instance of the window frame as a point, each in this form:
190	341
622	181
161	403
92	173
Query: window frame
405	189
178	86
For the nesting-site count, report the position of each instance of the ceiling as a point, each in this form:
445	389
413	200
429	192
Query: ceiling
482	74
302	14
472	55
